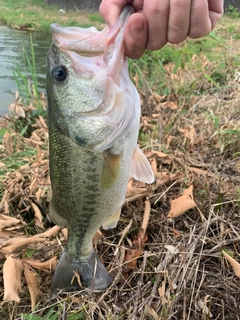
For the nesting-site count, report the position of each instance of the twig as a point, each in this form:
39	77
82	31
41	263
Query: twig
140	284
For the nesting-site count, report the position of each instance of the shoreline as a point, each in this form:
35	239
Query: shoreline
35	16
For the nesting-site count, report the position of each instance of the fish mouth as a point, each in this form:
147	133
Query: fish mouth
89	42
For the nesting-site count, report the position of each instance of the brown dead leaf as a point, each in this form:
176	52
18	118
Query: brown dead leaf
64	232
200	172
188	133
156	153
150	311
131	257
7	142
182	204
233	263
136	251
154	165
176	233
33	284
12	273
169	141
96	238
38	218
13	244
146	215
46	266
170	104
165	177
2	165
135	193
17	110
6	221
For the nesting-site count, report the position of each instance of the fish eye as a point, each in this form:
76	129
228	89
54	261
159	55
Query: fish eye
59	73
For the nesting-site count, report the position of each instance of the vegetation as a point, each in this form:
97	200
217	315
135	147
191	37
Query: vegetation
36	15
176	266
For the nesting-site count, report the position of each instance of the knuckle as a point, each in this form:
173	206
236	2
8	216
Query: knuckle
155	45
176	35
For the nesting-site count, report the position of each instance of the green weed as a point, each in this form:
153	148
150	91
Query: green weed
151	67
233	12
51	315
26	79
96	18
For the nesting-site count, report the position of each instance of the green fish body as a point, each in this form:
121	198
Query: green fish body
93	119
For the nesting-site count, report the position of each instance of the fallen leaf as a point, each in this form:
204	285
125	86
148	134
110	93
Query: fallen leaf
203	306
156	153
154	165
146	215
96	238
46	266
13	244
171	248
6	221
165	177
33	284
233	263
2	165
170	104
169	141
150	311
64	232
182	204
188	133
200	171
176	233
12	273
38	218
136	251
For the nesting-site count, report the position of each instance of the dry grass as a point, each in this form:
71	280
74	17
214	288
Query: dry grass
180	271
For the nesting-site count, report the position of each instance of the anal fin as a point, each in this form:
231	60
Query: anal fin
112	221
55	217
141	169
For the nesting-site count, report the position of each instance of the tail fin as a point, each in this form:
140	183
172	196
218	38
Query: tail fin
92	272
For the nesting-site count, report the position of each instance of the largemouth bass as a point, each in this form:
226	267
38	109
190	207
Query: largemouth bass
93	119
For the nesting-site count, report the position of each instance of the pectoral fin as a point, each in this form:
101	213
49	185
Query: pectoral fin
112	221
141	169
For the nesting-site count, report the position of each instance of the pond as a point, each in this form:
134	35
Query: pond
12	43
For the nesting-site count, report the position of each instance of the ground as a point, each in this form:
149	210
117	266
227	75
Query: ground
169	255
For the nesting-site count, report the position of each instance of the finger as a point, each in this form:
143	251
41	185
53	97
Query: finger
135	36
179	20
111	9
202	19
215	11
156	13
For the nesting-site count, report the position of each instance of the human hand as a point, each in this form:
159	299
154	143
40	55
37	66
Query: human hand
156	22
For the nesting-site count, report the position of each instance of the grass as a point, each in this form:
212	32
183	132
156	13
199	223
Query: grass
27	89
190	111
36	15
181	57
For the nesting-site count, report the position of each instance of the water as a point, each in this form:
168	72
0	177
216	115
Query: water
11	51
